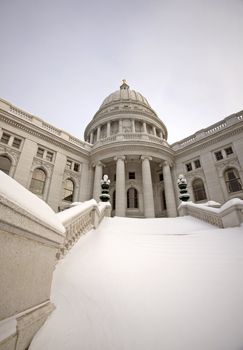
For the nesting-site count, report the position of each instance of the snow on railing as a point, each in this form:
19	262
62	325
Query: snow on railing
79	219
229	214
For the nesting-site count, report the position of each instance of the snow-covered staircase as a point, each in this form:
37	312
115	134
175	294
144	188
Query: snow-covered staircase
141	284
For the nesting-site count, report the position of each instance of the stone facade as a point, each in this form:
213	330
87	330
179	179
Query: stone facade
126	140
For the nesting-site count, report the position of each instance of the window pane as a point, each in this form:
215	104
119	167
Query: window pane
76	167
69	164
218	155
68	191
228	151
49	156
5	164
40	152
198	190
16	142
37	184
188	166
232	180
197	163
132	198
5	138
131	175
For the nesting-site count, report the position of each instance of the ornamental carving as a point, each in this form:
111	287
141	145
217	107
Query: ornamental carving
40	162
195	173
71	174
228	162
126	125
12	153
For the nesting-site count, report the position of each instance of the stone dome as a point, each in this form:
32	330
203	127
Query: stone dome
125	95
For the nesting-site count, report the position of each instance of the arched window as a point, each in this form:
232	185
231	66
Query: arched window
132	198
5	164
114	200
68	191
198	190
232	180
38	181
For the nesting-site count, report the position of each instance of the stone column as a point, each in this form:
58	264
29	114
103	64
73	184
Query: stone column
169	191
120	186
133	125
91	138
108	129
154	131
98	133
148	196
144	128
161	134
97	179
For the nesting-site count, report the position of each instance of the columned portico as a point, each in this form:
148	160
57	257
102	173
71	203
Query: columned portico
120	186
97	179
169	191
147	188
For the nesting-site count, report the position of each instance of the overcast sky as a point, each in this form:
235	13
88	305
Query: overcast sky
59	59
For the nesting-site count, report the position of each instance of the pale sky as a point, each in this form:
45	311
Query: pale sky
59	59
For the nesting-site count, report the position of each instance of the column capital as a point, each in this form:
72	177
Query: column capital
98	163
119	157
146	157
169	163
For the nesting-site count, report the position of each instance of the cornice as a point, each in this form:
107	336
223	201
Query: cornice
42	134
128	146
209	140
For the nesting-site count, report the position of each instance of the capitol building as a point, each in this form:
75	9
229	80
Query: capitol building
126	140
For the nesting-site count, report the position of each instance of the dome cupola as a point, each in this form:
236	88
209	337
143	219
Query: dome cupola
125	111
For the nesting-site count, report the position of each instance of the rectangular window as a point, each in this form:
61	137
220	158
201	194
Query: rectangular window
76	167
131	175
161	177
49	156
218	155
40	152
114	177
5	138
16	142
189	166
69	164
228	151
197	163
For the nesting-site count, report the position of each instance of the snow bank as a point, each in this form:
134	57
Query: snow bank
141	284
12	191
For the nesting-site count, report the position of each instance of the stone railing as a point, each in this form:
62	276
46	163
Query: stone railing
30	236
228	215
79	219
213	129
129	136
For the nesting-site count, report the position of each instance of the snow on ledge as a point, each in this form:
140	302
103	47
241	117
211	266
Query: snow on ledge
12	191
78	208
207	206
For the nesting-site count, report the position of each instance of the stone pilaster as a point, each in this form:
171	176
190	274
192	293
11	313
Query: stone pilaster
120	186
169	191
108	128
97	179
154	130
91	138
133	125
120	126
98	133
148	197
144	127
